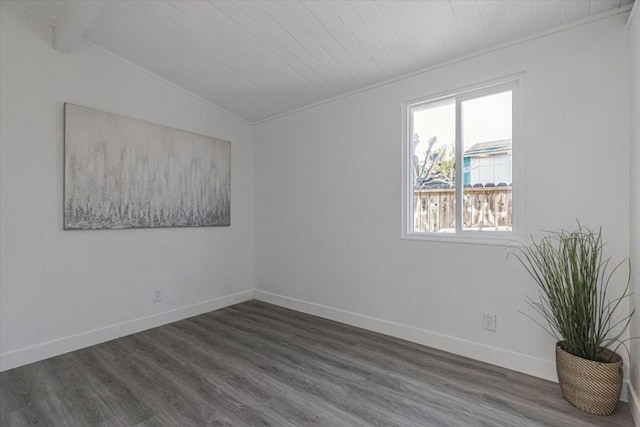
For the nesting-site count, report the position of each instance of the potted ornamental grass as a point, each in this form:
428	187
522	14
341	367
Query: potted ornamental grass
576	307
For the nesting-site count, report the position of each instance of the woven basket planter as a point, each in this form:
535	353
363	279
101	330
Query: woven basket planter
591	386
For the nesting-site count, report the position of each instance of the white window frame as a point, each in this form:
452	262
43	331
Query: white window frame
514	83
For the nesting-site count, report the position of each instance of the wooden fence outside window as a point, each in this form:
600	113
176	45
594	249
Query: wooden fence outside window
485	208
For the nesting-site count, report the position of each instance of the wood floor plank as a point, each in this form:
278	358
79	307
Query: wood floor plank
124	407
244	381
326	372
255	364
310	372
272	365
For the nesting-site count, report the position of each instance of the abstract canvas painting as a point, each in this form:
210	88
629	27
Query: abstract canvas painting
121	172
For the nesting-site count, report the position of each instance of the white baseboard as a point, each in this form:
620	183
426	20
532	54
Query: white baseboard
515	361
634	405
34	353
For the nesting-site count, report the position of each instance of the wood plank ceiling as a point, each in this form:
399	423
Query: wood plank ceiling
260	59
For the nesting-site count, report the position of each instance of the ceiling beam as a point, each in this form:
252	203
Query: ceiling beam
73	20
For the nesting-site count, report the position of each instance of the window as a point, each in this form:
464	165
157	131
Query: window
459	164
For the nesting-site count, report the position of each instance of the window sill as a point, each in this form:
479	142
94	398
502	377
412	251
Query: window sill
507	239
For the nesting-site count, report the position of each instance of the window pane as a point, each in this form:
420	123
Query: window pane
433	148
487	159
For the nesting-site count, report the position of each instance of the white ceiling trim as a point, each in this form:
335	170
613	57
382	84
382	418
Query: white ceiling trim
558	29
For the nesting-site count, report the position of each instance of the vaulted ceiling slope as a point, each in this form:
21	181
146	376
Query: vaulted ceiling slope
260	59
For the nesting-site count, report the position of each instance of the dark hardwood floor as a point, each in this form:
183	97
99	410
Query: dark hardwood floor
256	364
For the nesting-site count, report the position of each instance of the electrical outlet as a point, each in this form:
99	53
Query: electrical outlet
489	321
158	294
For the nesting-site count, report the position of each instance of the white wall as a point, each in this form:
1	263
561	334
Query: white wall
634	33
57	284
328	199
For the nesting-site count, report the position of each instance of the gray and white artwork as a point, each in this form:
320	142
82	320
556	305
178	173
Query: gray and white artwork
125	173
